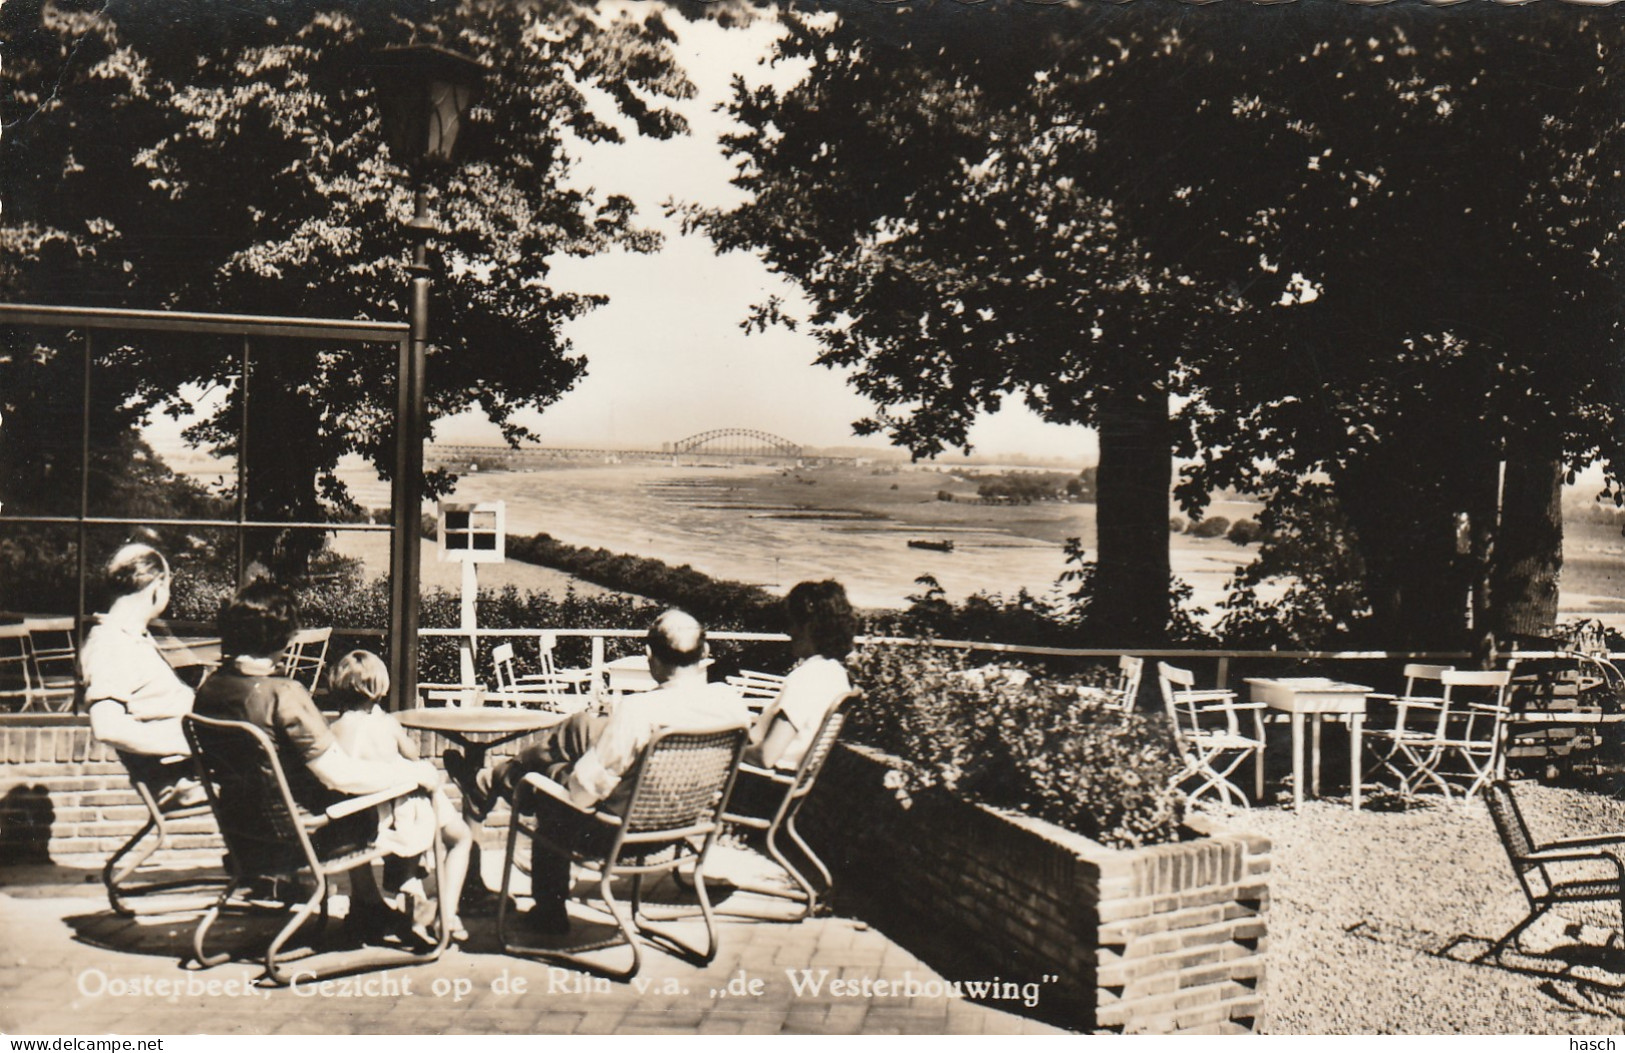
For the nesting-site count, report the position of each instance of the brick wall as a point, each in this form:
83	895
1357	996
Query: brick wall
1153	940
64	798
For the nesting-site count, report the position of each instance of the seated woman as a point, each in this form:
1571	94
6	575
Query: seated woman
821	625
254	627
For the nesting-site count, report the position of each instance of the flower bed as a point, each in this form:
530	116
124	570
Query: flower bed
1157	939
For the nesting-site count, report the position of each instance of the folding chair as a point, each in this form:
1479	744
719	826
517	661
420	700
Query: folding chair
1418	726
306	656
53	654
581	681
1591	867
154	781
1127	684
17	691
755	688
793	789
1468	749
534	692
1207	734
267	835
669	819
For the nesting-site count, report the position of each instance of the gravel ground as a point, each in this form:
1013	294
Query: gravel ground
1376	917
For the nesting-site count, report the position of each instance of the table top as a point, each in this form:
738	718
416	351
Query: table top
1308	694
493	721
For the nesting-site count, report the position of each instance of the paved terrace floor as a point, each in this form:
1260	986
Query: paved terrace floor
66	955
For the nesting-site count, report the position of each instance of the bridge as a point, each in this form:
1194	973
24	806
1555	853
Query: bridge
736	442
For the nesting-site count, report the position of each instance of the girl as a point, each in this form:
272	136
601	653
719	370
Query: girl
367	732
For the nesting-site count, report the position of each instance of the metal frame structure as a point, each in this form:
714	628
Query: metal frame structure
407	482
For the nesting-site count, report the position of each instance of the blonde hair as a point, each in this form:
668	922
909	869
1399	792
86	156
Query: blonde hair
359	678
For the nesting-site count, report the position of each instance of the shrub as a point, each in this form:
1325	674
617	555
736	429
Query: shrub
942	495
1244	532
1036	745
1214	527
1176	524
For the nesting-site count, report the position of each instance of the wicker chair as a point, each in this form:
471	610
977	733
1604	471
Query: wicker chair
162	797
269	837
794	788
1571	870
669	819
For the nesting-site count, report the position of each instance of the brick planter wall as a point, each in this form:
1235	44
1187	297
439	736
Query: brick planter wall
64	798
1155	940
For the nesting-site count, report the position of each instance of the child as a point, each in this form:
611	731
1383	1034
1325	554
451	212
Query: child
406	826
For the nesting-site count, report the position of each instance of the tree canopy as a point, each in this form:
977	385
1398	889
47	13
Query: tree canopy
1375	247
228	157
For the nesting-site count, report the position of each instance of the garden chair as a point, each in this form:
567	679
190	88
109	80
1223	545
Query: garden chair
669	819
537	693
166	804
1208	736
1130	669
1570	870
1417	729
580	681
306	656
269	838
1468	748
53	655
793	788
16	671
756	689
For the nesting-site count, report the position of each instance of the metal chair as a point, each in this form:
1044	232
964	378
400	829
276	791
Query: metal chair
1207	734
1570	870
269	836
1418	726
669	819
580	681
793	788
1468	748
17	691
163	799
1130	669
53	653
306	656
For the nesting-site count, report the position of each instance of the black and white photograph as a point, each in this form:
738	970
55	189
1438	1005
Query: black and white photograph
836	517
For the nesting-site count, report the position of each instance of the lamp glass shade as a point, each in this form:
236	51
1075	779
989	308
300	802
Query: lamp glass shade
424	95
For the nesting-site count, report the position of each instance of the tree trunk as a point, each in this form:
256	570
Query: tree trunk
1130	605
1529	549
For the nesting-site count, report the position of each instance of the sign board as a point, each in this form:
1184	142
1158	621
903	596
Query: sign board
472	533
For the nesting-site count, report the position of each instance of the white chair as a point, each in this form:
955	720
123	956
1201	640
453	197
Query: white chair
1417	728
1208	735
53	655
17	691
306	656
1468	748
582	681
1126	687
514	690
755	688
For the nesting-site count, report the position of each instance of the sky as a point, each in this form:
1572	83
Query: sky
667	357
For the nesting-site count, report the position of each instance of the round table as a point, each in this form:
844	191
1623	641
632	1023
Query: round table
477	730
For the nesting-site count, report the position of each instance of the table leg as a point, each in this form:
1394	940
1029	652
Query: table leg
1297	761
1315	759
1356	727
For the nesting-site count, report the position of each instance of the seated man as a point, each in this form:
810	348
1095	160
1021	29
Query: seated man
134	698
589	754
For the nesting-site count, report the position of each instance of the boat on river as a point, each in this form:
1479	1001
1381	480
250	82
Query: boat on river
935	546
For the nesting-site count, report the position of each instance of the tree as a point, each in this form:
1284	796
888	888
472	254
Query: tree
920	185
227	157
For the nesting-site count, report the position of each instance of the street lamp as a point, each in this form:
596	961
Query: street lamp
424	94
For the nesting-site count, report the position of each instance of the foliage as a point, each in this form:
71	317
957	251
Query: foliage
229	157
1027	487
1040	746
1215	526
1244	532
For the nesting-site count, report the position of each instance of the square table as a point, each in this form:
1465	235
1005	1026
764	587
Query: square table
1320	697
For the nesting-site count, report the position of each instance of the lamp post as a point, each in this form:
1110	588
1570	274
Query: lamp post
424	94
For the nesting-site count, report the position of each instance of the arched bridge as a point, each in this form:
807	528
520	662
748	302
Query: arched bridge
736	442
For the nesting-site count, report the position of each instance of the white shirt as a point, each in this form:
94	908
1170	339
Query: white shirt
125	667
597	774
809	693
